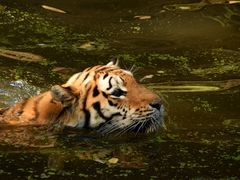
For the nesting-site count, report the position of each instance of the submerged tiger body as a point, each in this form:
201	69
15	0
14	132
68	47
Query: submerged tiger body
102	97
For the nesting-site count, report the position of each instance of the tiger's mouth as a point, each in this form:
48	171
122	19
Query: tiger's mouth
147	124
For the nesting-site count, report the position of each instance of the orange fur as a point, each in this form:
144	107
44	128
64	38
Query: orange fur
74	103
24	112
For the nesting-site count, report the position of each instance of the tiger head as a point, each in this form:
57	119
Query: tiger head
109	99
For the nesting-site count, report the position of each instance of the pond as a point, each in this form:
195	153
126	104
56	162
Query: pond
187	51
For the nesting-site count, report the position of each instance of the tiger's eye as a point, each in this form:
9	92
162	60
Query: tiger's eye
118	93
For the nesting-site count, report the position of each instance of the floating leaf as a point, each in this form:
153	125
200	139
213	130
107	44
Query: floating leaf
150	76
231	122
160	72
183	88
186	7
21	56
198	5
234	2
140	17
53	9
227	122
113	160
88	46
63	70
99	160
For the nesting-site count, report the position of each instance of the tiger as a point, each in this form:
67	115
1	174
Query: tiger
104	98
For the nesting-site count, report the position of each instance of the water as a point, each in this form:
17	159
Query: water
192	51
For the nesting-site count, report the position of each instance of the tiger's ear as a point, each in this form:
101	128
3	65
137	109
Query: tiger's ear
113	62
65	95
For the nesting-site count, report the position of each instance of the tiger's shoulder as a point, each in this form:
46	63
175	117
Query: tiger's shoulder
41	109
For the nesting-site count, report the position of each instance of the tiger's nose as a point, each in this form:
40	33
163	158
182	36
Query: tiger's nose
156	104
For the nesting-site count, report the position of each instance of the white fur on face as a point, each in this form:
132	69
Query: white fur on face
115	81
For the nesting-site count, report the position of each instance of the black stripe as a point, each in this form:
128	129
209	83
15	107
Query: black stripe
112	69
3	110
87	119
87	113
86	76
102	68
95	91
105	75
78	76
122	79
110	84
111	103
106	69
88	69
93	68
97	107
105	95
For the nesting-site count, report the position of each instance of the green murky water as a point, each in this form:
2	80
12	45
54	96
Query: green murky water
192	53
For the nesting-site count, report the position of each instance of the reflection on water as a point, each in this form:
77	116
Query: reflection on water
192	57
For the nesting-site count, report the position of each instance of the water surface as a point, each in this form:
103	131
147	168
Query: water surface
192	51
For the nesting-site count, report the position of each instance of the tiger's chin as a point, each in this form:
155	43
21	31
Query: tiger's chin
141	125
